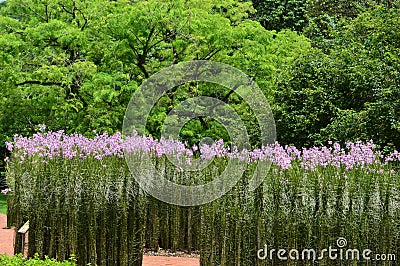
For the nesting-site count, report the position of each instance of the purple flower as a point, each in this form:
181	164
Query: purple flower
42	127
46	146
9	146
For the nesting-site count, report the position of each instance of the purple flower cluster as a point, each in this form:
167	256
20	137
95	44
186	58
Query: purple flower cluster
395	156
356	154
49	145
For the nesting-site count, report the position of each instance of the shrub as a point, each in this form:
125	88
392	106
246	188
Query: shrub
88	205
17	260
81	199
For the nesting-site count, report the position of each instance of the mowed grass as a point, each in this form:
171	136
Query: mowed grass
3	204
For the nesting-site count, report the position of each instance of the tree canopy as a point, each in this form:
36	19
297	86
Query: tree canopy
329	70
349	89
74	65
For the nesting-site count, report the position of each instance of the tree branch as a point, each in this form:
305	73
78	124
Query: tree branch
84	18
211	54
44	83
14	31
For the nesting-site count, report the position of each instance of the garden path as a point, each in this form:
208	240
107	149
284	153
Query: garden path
6	237
7	240
171	261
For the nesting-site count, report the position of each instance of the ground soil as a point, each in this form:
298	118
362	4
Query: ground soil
150	259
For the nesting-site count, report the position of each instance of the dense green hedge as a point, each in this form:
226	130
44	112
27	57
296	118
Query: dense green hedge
81	198
90	208
297	209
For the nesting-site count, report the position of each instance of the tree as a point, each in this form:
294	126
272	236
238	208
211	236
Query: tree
347	91
74	65
49	74
281	14
325	17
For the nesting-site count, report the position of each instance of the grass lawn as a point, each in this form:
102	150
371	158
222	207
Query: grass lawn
3	204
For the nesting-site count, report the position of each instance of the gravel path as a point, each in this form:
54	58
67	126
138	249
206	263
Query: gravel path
7	243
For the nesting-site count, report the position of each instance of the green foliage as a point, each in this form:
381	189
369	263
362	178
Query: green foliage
297	209
74	65
95	209
50	73
326	17
17	260
348	89
335	8
90	205
281	14
3	204
90	208
201	33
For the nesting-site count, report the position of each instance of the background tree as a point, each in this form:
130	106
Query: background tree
325	17
74	65
281	14
348	91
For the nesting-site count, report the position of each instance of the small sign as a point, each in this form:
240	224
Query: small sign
24	228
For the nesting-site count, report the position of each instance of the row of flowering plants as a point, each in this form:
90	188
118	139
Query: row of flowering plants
310	199
80	198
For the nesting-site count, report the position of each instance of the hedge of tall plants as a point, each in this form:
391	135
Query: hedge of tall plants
81	199
311	199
